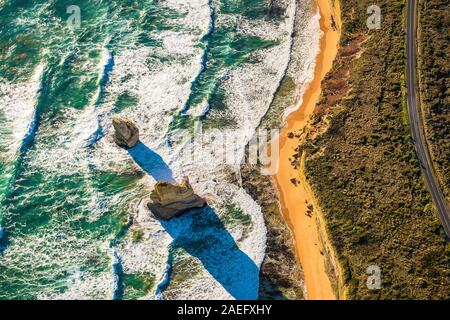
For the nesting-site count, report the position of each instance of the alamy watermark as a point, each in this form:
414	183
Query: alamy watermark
74	20
374	277
373	22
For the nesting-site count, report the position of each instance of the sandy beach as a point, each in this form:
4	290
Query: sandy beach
293	198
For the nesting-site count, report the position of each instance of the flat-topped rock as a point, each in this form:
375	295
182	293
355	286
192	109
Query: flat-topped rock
126	132
169	200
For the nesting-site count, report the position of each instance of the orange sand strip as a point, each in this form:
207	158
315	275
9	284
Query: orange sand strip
292	197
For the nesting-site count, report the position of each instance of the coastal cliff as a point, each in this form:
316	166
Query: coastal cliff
290	111
360	164
281	276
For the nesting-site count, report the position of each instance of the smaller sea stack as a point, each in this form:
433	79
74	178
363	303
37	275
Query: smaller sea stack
126	132
169	200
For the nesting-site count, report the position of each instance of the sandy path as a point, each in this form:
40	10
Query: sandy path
293	198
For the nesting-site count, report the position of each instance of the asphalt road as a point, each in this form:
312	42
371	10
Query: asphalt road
415	121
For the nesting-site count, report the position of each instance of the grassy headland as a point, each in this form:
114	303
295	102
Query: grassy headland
361	165
434	71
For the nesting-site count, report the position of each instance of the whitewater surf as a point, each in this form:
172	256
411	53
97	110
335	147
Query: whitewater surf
73	220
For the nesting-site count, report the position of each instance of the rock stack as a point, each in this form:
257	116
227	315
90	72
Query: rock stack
126	132
171	199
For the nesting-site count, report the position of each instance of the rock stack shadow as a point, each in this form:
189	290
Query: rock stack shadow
151	162
201	233
208	240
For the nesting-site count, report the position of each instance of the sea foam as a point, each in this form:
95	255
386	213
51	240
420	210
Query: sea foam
162	90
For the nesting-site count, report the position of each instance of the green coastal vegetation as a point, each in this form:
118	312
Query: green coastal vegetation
362	166
434	79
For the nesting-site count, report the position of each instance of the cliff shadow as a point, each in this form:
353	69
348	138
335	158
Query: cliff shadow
201	233
151	162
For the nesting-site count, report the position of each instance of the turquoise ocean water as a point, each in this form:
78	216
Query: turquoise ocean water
63	211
